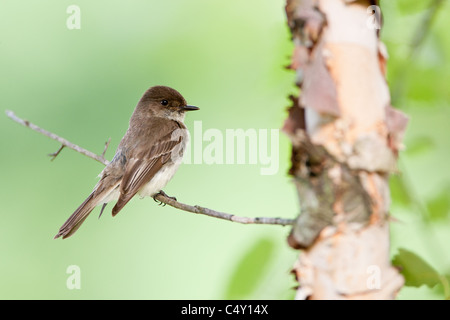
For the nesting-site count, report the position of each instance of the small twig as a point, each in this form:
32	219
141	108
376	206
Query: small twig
55	154
424	28
53	136
160	197
106	148
419	36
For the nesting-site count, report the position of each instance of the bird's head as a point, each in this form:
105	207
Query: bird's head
165	102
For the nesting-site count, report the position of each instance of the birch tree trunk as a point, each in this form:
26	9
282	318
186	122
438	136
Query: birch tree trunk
345	140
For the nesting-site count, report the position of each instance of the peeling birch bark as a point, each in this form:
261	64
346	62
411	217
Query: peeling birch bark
345	141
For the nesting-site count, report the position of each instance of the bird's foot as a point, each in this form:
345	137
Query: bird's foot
163	194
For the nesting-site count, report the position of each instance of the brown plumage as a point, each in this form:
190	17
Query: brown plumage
146	158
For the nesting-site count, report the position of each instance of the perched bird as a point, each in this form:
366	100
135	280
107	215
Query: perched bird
146	159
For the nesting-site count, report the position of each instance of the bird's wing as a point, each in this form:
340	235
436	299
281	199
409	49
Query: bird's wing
143	165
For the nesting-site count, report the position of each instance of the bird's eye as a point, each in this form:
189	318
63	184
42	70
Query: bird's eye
164	102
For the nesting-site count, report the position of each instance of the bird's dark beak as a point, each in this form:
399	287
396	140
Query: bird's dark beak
189	108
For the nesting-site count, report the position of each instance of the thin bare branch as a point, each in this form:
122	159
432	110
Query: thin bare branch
160	197
222	215
53	136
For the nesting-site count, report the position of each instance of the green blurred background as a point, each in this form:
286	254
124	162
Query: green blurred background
228	58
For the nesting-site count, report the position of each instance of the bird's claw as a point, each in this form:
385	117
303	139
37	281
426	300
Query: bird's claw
163	194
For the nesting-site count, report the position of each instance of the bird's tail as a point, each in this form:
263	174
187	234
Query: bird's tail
77	218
